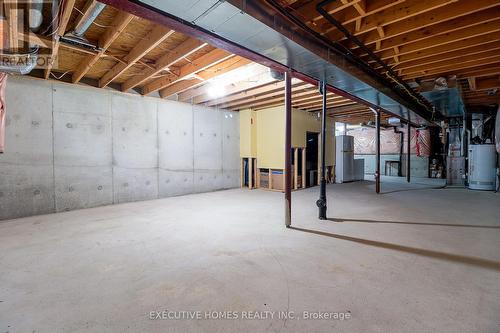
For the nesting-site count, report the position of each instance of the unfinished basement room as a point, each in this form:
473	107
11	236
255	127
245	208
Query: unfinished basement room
250	166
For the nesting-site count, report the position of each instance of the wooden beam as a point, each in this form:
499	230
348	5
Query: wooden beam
64	14
459	61
452	70
360	7
372	8
180	86
484	41
450	56
331	101
182	51
12	14
406	11
280	101
151	40
472	83
405	36
119	24
197	65
445	39
488	83
271	89
308	12
234	88
218	69
268	94
479	71
467	10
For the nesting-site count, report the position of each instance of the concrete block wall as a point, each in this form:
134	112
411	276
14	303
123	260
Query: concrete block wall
71	147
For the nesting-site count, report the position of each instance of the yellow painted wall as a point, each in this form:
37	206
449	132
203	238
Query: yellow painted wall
265	139
248	133
271	138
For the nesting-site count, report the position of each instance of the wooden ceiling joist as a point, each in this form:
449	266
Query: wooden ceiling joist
220	68
63	16
118	25
483	42
264	92
197	65
180	52
487	83
153	39
447	28
203	96
459	60
449	18
446	39
11	12
348	17
275	92
453	69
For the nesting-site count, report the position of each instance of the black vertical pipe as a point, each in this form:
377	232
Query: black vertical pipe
321	203
408	156
377	147
288	149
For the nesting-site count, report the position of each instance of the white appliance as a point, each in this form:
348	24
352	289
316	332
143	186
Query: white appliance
482	167
344	158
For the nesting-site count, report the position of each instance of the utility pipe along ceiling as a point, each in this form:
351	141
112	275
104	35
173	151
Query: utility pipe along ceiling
266	33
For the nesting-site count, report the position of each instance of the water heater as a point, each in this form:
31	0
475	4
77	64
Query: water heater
482	167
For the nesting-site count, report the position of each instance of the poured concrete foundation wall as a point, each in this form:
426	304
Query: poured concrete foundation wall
71	147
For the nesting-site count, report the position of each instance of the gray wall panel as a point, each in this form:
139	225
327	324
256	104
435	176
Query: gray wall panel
172	183
83	187
175	136
134	184
207	139
26	167
134	131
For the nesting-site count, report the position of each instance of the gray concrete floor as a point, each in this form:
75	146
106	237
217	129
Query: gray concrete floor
410	260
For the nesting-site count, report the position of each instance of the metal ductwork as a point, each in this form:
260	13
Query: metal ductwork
35	14
259	32
90	13
19	63
85	22
23	63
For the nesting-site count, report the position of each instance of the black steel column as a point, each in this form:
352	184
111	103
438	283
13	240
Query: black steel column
321	203
408	148
288	149
377	148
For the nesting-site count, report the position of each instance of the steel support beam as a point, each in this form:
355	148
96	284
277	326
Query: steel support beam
321	203
408	148
377	151
288	149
